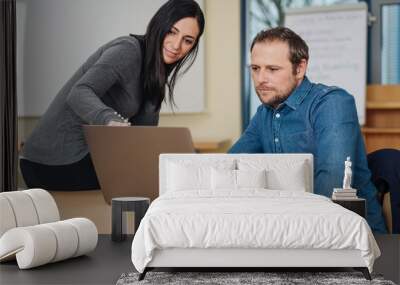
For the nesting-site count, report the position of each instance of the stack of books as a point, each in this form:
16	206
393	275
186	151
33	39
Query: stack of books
344	194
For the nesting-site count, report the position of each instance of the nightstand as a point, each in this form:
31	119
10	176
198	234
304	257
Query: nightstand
139	205
357	205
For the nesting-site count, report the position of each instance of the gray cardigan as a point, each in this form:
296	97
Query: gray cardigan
108	82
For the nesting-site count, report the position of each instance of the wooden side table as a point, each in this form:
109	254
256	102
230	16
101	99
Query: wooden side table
357	205
139	205
212	146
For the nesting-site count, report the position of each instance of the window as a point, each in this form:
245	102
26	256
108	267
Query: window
390	44
384	48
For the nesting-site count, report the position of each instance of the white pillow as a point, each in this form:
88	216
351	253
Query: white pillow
236	179
183	177
251	178
280	175
223	179
188	175
292	179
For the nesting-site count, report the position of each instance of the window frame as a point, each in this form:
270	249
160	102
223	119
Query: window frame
375	36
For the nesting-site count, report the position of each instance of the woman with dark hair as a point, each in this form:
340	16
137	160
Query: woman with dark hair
124	82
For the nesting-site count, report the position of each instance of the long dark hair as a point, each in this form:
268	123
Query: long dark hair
155	72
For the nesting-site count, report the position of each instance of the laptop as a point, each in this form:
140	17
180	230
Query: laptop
126	158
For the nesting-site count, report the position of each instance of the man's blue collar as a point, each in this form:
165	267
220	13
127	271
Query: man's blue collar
298	94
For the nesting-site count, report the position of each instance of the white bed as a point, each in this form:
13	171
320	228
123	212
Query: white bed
230	217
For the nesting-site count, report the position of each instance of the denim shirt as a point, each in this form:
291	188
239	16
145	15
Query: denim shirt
321	120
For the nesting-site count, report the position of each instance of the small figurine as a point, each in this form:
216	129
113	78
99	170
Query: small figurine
347	174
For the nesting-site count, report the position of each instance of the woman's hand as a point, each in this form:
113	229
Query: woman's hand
118	124
124	123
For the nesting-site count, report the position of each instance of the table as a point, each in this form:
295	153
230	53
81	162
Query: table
357	205
139	205
212	146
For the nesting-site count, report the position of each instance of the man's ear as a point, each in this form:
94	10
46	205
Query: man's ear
301	69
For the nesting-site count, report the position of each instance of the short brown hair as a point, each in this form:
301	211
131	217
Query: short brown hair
298	48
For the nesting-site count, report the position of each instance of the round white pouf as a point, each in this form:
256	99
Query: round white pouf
46	207
6	215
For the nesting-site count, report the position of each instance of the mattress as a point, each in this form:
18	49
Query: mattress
251	219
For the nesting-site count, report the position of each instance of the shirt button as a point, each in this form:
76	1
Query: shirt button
278	115
276	140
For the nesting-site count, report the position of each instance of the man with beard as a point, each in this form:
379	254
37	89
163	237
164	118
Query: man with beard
298	116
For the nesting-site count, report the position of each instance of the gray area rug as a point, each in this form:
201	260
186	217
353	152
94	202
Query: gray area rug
229	278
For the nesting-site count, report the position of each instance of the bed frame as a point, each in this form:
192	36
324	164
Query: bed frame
246	258
243	259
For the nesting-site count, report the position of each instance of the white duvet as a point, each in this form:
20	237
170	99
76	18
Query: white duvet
250	218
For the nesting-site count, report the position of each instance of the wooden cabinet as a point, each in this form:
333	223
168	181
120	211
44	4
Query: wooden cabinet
382	128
